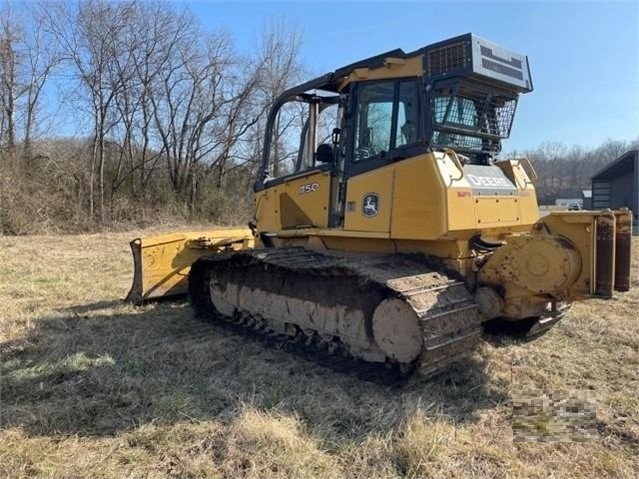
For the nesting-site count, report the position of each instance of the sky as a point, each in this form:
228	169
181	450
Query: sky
584	56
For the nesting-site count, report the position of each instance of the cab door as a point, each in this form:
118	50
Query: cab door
384	126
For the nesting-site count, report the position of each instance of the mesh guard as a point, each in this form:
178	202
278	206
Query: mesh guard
470	117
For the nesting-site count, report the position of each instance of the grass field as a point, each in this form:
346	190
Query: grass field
93	387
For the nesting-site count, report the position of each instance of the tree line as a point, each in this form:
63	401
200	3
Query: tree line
120	112
160	117
564	172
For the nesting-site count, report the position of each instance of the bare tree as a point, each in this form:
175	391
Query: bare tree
89	38
151	37
564	172
204	101
9	38
277	54
41	58
149	85
28	57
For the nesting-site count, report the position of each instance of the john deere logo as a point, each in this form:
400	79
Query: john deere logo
370	205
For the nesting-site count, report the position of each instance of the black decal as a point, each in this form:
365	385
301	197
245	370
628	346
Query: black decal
488	53
504	70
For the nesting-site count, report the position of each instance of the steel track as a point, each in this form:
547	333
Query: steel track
447	313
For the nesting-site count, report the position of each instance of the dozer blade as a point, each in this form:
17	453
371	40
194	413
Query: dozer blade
162	263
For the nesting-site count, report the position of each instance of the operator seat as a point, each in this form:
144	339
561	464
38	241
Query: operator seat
324	153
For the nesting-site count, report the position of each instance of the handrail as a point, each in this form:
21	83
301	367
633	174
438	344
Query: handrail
453	155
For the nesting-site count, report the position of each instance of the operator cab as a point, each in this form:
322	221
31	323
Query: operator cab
459	94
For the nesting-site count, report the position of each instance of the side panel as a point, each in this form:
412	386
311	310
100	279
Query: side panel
436	198
432	197
496	211
527	196
301	201
419	200
369	200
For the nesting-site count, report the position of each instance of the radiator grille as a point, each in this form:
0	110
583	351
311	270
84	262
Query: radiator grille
447	58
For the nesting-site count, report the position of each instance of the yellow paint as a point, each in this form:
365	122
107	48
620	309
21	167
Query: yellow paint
337	232
428	198
298	202
558	258
391	69
346	240
379	182
495	211
419	200
162	263
528	207
579	227
369	245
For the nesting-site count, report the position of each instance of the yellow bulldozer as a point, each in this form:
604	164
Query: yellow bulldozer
396	239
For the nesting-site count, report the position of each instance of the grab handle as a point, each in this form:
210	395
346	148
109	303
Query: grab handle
453	156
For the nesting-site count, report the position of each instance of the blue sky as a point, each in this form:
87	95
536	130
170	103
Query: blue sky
584	56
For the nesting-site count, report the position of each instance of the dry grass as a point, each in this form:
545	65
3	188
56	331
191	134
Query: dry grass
92	387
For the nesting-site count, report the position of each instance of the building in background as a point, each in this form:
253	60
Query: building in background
617	185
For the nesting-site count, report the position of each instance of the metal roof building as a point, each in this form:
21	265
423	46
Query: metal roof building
617	185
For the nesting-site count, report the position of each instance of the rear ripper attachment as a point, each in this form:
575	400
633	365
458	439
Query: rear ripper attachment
603	238
568	256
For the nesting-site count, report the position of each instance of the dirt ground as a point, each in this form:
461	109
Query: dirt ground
95	388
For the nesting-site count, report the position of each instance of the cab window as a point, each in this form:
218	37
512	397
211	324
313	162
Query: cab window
292	136
287	139
374	119
386	117
407	118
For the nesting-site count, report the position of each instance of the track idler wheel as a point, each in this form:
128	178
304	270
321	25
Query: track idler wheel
396	330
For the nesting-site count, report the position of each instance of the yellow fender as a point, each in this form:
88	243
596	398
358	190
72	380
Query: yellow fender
162	263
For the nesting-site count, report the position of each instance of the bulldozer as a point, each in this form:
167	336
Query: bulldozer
399	237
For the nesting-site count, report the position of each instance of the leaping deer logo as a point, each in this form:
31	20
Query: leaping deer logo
370	205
